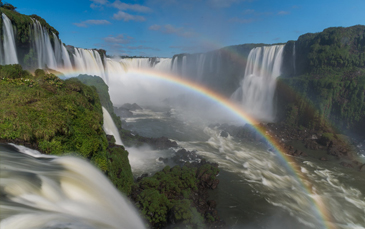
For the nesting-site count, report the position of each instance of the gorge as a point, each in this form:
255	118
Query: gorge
261	116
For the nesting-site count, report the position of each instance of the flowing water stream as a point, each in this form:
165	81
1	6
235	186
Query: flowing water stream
256	190
39	191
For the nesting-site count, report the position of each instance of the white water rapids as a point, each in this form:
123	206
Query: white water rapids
59	192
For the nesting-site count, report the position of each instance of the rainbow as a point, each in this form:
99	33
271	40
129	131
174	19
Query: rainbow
292	167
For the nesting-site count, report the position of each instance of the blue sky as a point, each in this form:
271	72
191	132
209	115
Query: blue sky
167	27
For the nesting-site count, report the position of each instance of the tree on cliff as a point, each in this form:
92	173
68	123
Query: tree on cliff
7	6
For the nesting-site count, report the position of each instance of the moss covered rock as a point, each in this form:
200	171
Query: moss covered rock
59	117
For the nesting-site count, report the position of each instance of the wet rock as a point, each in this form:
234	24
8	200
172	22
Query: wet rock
141	177
362	168
131	107
224	134
123	112
311	144
347	165
182	156
164	160
325	141
158	143
323	159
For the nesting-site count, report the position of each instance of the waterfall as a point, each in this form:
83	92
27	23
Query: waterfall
57	50
256	93
43	47
58	192
88	61
9	46
164	65
110	128
200	66
66	58
184	67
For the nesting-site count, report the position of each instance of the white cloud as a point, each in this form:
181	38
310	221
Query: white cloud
134	7
92	22
102	2
283	12
170	29
142	47
98	4
249	11
127	17
242	21
118	40
223	3
154	27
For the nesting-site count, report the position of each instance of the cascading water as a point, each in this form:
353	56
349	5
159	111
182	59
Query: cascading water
256	93
89	62
110	128
9	46
43	47
164	65
59	192
57	50
200	66
66	58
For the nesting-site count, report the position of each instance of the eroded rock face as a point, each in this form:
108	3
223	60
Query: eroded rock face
362	168
123	112
131	107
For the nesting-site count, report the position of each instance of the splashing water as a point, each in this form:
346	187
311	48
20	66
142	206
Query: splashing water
256	94
59	192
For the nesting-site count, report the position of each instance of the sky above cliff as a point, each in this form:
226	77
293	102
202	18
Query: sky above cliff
167	27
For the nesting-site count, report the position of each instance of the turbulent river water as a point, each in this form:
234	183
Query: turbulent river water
256	190
47	192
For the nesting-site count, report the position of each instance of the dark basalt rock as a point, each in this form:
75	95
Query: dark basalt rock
323	159
362	168
348	165
164	160
224	134
123	112
182	156
131	107
324	141
160	143
311	144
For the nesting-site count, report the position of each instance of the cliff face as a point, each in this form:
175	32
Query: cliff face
25	36
222	70
59	117
327	83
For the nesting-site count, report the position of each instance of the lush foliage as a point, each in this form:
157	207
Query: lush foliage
328	84
337	97
167	195
59	117
119	169
24	35
103	92
334	48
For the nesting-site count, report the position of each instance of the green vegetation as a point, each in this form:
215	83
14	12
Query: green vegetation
328	87
168	196
24	34
103	92
333	49
59	117
310	102
119	169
